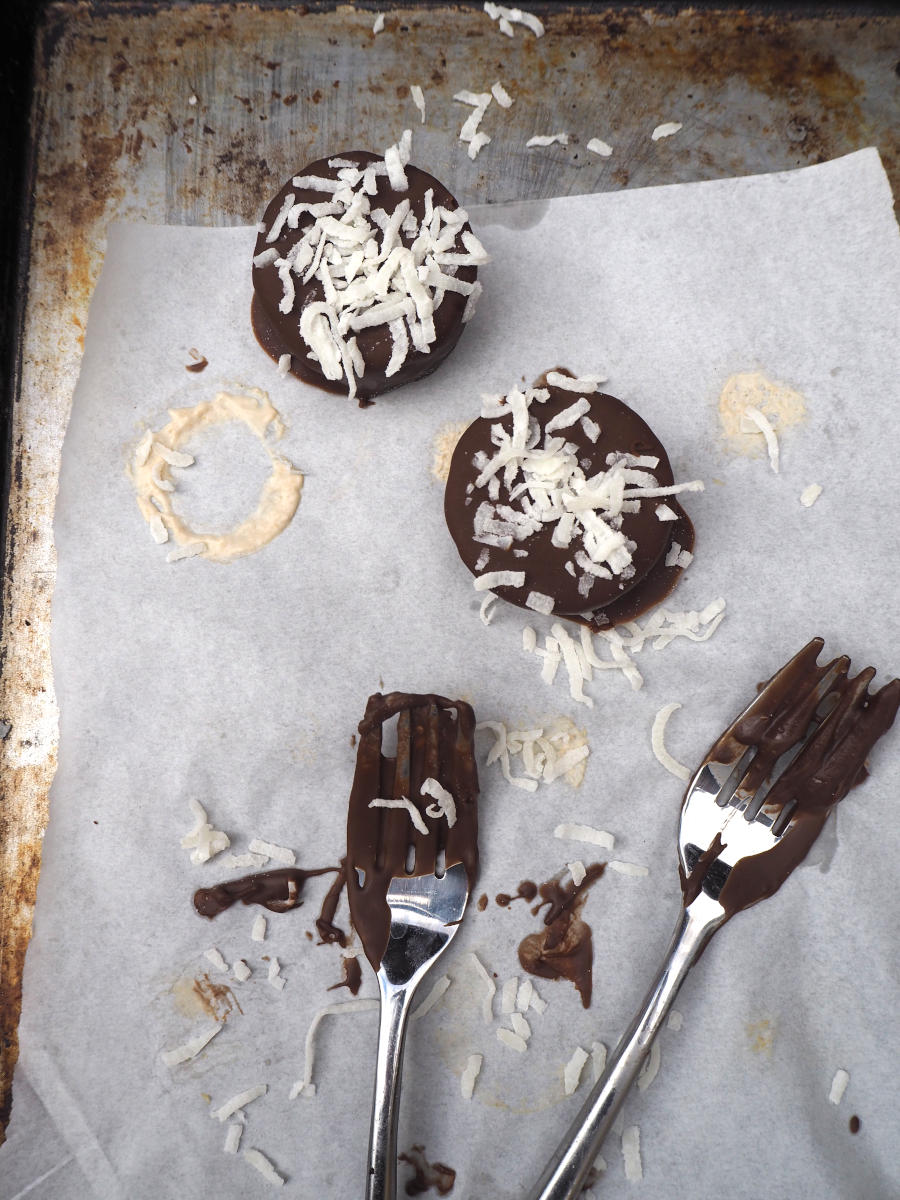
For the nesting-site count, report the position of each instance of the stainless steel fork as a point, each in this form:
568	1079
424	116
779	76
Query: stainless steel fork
425	914
728	818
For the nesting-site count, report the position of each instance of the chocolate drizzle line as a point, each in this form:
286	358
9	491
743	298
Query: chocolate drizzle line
278	891
829	765
435	739
564	949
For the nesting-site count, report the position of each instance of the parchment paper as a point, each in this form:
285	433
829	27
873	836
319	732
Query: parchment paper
241	686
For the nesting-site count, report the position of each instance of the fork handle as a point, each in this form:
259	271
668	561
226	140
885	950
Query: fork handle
381	1179
566	1171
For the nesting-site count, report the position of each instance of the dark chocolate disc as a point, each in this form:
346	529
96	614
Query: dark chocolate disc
279	333
550	570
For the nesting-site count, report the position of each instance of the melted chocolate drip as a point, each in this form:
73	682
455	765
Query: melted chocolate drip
832	761
427	1175
278	891
352	976
564	949
198	366
527	892
855	1124
610	601
435	739
279	333
328	931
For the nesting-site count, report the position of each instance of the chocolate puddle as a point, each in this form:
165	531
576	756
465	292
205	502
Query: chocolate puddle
435	740
564	949
527	892
832	762
352	976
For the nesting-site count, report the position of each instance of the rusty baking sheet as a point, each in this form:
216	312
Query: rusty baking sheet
194	115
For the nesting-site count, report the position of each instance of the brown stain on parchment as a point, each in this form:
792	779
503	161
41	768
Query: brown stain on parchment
203	996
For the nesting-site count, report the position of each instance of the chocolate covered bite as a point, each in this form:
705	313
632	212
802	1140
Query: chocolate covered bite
561	499
364	273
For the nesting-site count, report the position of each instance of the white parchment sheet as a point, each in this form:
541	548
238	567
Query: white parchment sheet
241	685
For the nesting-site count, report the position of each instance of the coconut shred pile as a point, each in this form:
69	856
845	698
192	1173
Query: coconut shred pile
375	267
534	478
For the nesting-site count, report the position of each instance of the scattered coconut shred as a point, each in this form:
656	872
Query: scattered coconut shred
838	1086
631	1153
549	139
810	495
580	657
665	130
557	750
470	1074
657	735
203	841
258	1160
507	17
369	277
755	421
306	1085
573	1069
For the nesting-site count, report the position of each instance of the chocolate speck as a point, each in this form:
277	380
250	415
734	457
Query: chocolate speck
427	1175
855	1124
482	902
564	948
197	367
527	892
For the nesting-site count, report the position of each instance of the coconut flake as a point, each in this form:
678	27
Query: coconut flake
469	1075
838	1086
573	1069
631	1153
676	1020
432	998
203	841
513	1040
306	1084
190	1049
487	1004
405	803
486	609
529	639
664	513
577	871
274	975
495	579
501	95
445	806
591	428
598	1059
539	602
233	1138
258	929
627	868
378	24
665	130
657	735
584	833
541	139
650	1068
279	853
523	995
265	1168
762	423
810	495
175	458
189	551
245	862
507	17
143	448
241	971
418	99
215	957
478	142
509	994
238	1102
284	364
520	1026
596	146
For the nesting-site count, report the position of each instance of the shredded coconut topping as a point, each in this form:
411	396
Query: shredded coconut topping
585	833
238	1102
432	998
631	1153
487	1004
650	1068
758	422
190	1049
403	802
370	276
418	99
665	130
445	805
501	95
279	853
838	1086
258	1160
508	1038
598	1059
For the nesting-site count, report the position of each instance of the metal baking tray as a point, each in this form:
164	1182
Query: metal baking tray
196	113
